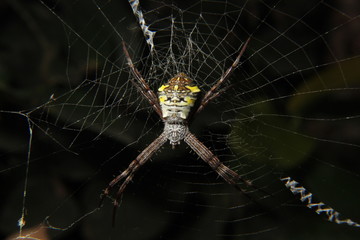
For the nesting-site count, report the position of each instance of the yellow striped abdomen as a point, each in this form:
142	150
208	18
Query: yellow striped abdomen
177	97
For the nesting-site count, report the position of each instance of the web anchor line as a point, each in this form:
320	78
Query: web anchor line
320	208
149	35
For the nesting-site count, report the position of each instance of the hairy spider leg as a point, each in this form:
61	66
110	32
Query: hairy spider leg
230	176
211	94
207	156
141	84
128	174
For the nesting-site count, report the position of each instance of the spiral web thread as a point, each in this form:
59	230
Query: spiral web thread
320	208
149	35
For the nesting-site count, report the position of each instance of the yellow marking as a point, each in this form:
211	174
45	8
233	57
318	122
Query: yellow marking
176	87
193	89
162	99
190	101
162	88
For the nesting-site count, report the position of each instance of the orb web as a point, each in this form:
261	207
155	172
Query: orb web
71	119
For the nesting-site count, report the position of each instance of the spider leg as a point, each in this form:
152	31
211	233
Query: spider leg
211	94
128	174
226	173
205	154
141	84
223	171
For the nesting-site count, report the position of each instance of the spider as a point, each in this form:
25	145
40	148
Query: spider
173	104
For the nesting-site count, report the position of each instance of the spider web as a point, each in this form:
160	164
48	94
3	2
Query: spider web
71	119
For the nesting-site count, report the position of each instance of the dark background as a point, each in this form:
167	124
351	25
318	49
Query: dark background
67	170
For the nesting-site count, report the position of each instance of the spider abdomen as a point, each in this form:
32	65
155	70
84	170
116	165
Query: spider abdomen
177	97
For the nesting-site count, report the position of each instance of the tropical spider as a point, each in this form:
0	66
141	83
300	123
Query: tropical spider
173	105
